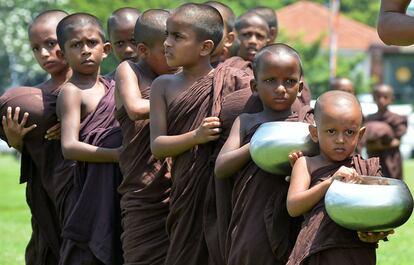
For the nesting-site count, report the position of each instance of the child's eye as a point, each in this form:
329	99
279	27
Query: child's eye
75	45
51	44
133	42
269	80
330	131
119	43
35	49
93	42
290	83
350	132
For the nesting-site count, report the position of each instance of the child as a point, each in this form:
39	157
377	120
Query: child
388	153
342	84
269	15
258	196
338	129
253	34
40	152
221	52
91	136
184	124
146	184
121	26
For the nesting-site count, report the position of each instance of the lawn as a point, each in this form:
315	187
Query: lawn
15	221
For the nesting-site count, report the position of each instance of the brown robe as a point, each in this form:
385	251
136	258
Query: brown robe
38	160
321	240
192	170
145	189
92	231
260	229
391	160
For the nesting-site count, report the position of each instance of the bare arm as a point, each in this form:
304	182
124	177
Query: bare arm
394	26
163	145
232	156
301	198
128	93
69	111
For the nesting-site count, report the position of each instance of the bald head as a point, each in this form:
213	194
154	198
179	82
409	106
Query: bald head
205	20
343	84
249	19
75	21
48	17
226	12
384	89
267	13
150	27
121	18
280	49
336	101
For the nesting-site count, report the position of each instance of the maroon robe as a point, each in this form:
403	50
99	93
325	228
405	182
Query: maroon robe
260	229
321	240
145	189
192	170
391	160
37	168
91	232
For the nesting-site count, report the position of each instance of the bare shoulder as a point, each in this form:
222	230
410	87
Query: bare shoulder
163	82
69	88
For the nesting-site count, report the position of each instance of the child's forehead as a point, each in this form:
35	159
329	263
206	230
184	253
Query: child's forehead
78	30
341	115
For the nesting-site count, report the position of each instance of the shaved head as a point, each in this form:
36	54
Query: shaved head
249	18
384	89
343	84
122	17
267	13
226	12
336	101
205	20
150	27
47	17
277	49
74	21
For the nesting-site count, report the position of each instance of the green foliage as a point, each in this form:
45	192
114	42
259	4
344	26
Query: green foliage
315	61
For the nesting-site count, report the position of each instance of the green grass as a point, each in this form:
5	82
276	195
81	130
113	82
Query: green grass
15	221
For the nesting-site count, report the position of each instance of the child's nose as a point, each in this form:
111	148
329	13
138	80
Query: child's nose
44	52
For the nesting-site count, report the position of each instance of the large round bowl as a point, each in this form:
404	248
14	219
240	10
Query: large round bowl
381	204
273	141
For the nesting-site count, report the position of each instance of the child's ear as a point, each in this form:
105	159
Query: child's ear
60	55
301	84
228	41
253	86
106	49
361	133
207	48
313	131
142	50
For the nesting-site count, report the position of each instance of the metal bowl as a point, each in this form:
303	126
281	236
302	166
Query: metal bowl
273	141
380	204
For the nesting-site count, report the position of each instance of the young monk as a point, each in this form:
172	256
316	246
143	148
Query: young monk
121	26
184	124
269	16
91	136
221	52
388	152
278	75
39	149
338	128
146	184
343	84
253	34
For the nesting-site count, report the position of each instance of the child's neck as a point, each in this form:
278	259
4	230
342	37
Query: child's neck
197	70
273	115
84	80
147	70
383	110
57	79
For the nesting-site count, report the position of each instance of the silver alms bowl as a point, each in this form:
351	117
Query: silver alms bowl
273	141
369	207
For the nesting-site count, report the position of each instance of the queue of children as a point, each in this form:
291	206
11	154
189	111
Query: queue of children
150	164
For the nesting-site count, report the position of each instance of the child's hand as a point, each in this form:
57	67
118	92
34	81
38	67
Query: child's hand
15	130
294	156
53	133
373	237
347	174
209	130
